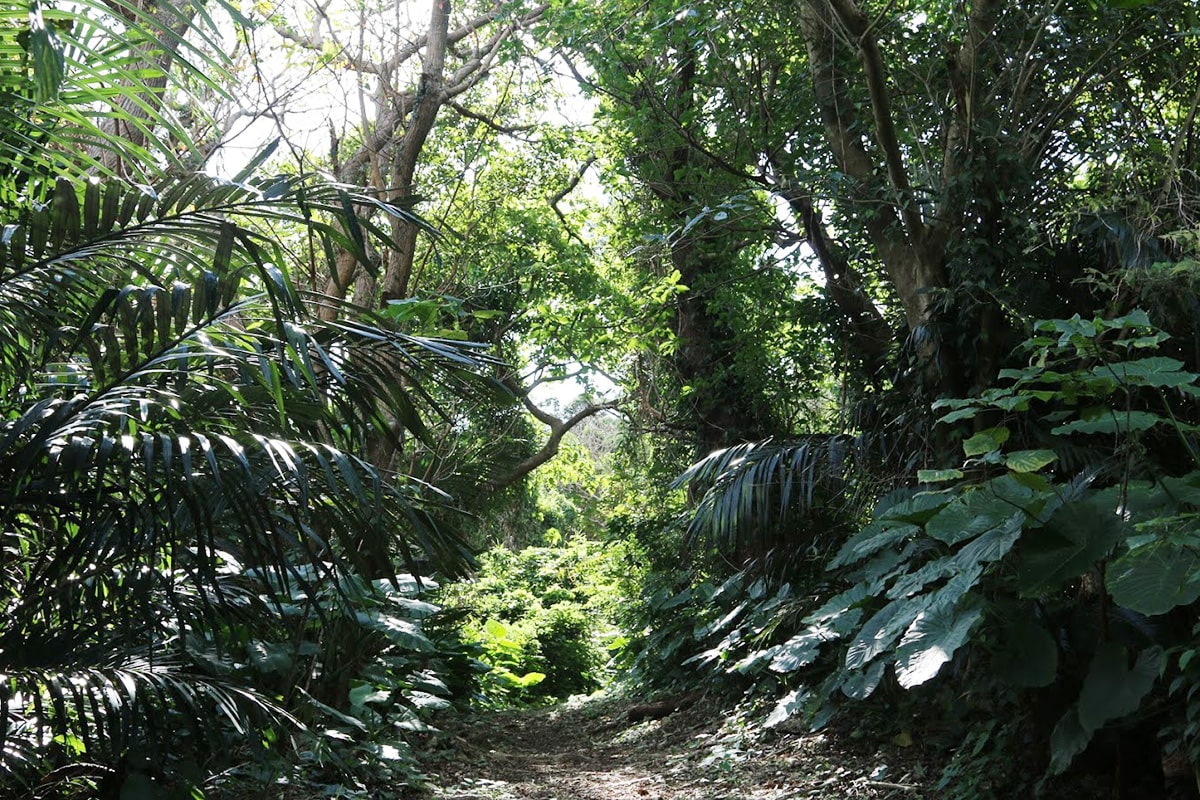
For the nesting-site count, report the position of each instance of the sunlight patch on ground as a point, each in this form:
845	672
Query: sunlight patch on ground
478	789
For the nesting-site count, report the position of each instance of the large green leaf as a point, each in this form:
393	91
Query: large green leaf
1029	460
1028	654
789	705
969	515
1155	578
882	629
993	544
871	539
1157	371
1105	420
910	583
931	641
1068	739
918	508
799	651
1111	690
986	441
859	685
1073	541
1184	489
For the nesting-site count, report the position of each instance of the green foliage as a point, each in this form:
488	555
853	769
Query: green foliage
720	630
198	560
1183	735
541	618
982	766
1112	689
992	563
505	652
329	627
790	500
67	68
198	428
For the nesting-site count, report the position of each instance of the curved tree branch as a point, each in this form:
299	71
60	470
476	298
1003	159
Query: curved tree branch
559	196
856	22
870	332
900	237
558	429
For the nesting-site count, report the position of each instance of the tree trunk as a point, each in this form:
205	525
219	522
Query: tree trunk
168	21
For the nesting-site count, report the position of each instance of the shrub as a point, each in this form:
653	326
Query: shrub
540	618
568	651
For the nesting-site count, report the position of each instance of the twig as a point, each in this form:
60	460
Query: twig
904	787
558	197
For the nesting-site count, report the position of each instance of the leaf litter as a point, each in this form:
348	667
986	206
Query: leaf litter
591	749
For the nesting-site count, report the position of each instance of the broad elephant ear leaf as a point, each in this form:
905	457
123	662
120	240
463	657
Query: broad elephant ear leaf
1077	536
931	641
1155	578
1111	690
1028	654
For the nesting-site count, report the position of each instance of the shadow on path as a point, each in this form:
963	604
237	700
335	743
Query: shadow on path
593	751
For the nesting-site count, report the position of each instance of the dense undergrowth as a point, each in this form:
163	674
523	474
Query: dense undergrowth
541	621
1034	604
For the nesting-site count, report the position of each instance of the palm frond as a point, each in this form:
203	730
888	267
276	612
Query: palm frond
750	494
103	713
181	435
171	407
78	80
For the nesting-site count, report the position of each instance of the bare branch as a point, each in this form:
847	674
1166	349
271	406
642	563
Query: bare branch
507	130
870	332
558	429
913	266
859	26
558	197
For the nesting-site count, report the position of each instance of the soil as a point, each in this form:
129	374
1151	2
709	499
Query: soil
604	749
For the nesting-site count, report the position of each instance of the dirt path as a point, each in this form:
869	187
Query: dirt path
592	751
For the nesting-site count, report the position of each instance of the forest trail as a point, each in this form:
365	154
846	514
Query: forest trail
595	751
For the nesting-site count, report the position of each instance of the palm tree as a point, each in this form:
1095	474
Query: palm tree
775	506
180	427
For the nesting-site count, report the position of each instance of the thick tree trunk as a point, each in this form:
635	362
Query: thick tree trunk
723	406
890	212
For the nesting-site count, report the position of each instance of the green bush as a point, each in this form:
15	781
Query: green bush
1046	575
567	649
540	619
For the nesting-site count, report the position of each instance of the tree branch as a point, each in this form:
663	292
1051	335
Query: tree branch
507	130
558	197
558	429
963	70
871	334
881	108
913	266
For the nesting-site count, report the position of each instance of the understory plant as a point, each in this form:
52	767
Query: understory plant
541	619
1020	570
769	515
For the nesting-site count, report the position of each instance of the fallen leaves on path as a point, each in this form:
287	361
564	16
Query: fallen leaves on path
591	750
